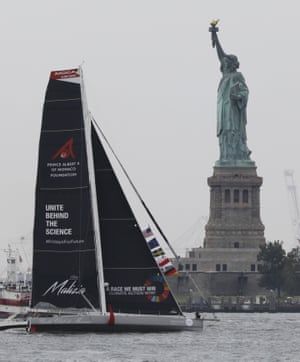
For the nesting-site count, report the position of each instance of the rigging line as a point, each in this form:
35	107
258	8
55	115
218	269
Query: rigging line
136	191
88	302
191	230
143	203
198	289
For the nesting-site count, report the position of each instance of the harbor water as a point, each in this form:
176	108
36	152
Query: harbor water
235	337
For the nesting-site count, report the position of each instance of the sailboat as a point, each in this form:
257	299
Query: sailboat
92	267
15	288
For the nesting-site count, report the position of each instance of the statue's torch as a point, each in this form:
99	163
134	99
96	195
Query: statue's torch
213	29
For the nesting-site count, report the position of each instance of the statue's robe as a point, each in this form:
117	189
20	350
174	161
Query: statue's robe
232	117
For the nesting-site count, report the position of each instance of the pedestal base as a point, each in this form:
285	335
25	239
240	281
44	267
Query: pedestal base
234	220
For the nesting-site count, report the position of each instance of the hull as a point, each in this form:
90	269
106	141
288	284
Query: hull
11	324
13	302
113	323
7	310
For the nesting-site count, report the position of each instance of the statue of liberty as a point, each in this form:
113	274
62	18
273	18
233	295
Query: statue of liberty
231	108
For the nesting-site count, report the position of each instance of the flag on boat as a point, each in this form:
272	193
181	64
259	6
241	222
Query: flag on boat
153	244
159	255
158	252
147	232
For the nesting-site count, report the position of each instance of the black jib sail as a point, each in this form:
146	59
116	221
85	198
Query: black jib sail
64	266
134	283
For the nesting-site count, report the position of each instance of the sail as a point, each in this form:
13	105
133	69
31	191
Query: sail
134	282
64	266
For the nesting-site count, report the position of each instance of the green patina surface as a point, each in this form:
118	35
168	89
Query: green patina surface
231	110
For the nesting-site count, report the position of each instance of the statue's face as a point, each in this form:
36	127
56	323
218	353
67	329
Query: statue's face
229	64
226	65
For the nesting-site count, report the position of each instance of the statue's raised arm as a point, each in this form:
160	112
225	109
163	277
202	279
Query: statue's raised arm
215	40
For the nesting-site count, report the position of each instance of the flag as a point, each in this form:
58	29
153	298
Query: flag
147	232
158	252
164	262
171	271
153	243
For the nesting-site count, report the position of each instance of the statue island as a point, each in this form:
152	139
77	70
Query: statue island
227	262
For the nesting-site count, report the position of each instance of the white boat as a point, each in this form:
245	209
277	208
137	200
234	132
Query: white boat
15	289
12	322
93	268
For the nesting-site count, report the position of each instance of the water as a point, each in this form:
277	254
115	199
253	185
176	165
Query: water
236	337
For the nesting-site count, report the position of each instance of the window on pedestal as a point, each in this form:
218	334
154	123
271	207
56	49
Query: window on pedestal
245	196
218	267
227	195
224	267
236	196
236	244
194	267
252	267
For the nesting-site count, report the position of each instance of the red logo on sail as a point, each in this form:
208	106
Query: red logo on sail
65	151
64	74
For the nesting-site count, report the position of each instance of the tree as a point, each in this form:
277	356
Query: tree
272	269
291	272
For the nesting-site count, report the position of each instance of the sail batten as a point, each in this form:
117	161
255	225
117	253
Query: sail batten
104	170
65	188
117	219
65	251
62	100
62	130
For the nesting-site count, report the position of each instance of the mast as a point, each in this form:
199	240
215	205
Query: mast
95	216
293	203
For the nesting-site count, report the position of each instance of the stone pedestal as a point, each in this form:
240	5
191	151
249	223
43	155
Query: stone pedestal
234	220
227	264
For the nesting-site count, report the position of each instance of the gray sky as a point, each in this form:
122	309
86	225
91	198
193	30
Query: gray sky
151	78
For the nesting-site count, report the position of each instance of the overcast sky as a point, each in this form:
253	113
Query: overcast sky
151	78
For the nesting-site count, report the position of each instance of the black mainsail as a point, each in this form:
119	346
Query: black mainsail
64	266
89	251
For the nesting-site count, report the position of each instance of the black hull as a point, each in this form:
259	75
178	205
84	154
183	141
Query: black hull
113	323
